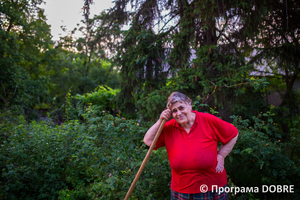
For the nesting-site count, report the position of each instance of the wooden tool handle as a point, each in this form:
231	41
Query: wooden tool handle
145	159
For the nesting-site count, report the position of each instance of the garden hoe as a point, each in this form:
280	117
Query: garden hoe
145	159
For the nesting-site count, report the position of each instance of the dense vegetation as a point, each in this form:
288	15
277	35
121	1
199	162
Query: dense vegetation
73	112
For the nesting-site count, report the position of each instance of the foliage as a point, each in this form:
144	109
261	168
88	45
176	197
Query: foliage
142	66
261	158
72	72
221	40
32	163
94	160
85	63
35	70
205	49
25	47
103	97
222	88
99	158
278	45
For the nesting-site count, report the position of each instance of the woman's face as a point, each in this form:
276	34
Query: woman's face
181	112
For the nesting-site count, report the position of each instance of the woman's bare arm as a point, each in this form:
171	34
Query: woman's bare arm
150	135
223	152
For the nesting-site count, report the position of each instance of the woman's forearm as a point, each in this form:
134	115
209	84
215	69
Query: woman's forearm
150	135
226	149
223	152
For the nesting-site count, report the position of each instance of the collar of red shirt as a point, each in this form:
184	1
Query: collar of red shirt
180	127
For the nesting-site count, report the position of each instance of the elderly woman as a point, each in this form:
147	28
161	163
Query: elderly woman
191	137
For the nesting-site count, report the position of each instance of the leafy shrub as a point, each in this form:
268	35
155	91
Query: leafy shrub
103	97
260	158
97	159
123	151
31	160
74	106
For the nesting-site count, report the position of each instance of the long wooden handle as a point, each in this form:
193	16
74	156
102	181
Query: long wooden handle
145	159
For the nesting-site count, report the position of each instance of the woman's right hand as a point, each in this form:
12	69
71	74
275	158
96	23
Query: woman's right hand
166	114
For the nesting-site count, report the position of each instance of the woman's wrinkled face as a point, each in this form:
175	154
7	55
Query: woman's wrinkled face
181	112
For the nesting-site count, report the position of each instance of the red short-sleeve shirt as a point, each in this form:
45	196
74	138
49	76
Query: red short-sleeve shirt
193	156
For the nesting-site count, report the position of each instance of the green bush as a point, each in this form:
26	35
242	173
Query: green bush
123	151
103	97
261	158
32	161
97	159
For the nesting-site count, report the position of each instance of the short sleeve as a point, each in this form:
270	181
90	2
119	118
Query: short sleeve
223	131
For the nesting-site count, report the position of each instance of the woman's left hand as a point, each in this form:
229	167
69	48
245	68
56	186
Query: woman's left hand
220	163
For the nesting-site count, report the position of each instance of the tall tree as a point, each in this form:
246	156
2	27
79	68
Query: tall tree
277	43
212	36
25	49
94	47
185	30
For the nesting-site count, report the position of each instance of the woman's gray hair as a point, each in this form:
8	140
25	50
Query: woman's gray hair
178	97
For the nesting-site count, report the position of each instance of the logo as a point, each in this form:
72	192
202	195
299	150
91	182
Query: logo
203	188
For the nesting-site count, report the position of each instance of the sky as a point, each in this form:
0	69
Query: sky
69	13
